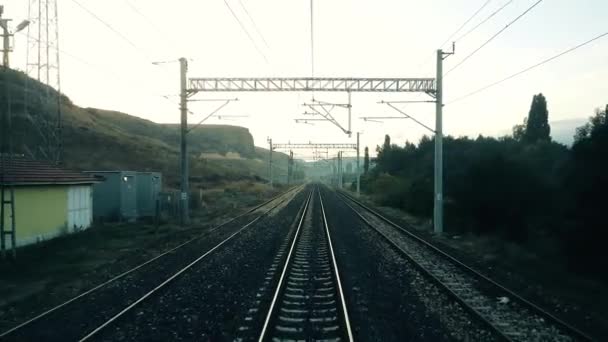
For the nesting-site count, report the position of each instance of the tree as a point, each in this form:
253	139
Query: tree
366	160
520	130
349	167
585	188
537	125
387	143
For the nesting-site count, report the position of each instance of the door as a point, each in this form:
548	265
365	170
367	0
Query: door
80	207
129	199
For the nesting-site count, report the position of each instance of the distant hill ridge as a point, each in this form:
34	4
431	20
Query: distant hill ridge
104	139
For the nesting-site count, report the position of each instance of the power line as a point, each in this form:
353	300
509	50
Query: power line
494	36
527	69
255	26
149	21
466	22
455	32
109	71
246	32
105	24
117	32
312	42
484	21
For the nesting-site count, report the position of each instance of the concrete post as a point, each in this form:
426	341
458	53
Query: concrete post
438	208
185	187
270	162
358	169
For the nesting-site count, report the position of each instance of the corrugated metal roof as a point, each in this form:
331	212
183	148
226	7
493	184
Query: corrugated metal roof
23	171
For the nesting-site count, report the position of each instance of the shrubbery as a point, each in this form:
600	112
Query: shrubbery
516	187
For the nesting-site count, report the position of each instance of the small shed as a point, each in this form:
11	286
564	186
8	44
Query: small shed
149	185
115	199
49	200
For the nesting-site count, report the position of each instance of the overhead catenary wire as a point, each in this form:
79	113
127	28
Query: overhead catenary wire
107	72
312	41
493	37
110	27
465	23
484	21
456	32
255	26
246	31
527	69
115	31
150	22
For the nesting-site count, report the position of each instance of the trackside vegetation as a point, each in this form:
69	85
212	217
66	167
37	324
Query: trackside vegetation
519	187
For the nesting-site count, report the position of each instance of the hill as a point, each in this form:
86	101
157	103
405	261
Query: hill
96	139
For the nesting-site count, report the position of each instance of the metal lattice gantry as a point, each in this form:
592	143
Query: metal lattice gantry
430	86
424	85
341	147
312	146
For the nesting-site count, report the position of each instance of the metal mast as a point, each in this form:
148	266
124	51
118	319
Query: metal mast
185	171
43	106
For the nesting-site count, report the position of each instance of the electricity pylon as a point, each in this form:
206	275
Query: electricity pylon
43	106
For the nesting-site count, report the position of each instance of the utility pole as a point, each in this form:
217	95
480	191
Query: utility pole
350	107
185	187
290	168
270	161
6	35
358	169
334	169
5	40
438	208
340	170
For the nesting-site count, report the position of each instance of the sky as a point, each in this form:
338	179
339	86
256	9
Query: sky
110	66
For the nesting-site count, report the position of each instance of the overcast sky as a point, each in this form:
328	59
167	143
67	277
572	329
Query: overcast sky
352	38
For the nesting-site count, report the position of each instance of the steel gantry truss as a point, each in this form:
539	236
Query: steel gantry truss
316	146
425	85
429	86
313	146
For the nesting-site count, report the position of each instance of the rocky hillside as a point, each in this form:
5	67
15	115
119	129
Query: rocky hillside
96	139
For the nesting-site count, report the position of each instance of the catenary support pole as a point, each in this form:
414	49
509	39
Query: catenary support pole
438	208
184	196
6	48
349	114
358	169
270	162
341	171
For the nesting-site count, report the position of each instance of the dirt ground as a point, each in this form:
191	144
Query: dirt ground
578	300
65	266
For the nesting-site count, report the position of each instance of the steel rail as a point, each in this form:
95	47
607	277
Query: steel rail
495	330
150	261
173	277
333	259
526	303
284	272
289	263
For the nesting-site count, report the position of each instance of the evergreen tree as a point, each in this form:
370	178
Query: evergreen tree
387	143
537	125
366	160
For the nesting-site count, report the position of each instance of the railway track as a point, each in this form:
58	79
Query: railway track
260	211
507	315
308	301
